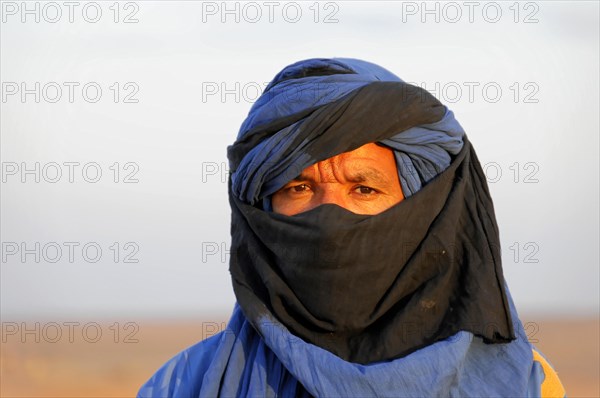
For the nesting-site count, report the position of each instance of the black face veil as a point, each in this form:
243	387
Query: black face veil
366	288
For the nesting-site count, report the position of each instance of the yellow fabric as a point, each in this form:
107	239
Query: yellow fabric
551	386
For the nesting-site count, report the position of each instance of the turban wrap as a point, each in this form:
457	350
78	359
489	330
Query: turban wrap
408	302
271	159
364	287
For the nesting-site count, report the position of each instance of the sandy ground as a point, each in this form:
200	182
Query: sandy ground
74	364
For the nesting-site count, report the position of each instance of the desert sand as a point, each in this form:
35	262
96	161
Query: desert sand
116	362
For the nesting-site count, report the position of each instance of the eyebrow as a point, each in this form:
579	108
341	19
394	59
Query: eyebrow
366	174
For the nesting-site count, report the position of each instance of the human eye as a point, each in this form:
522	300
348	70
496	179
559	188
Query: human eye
365	190
298	189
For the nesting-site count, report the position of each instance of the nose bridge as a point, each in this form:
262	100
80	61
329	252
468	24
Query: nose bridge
331	189
332	193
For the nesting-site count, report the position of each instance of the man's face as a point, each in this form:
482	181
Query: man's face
363	181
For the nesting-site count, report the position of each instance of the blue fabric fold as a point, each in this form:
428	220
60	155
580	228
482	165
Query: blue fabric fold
285	96
270	362
421	152
424	151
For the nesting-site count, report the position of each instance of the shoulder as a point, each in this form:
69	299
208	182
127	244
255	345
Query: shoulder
182	375
551	386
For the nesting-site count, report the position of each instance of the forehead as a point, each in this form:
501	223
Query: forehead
369	160
371	153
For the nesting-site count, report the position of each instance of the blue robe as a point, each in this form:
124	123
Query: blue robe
241	362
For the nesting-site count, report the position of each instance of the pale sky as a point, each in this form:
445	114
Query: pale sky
153	105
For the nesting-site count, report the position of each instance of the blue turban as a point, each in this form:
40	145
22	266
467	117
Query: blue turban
421	152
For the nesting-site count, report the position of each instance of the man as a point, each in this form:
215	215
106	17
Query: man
365	253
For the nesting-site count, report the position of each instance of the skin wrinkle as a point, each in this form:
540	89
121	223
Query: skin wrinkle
364	181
